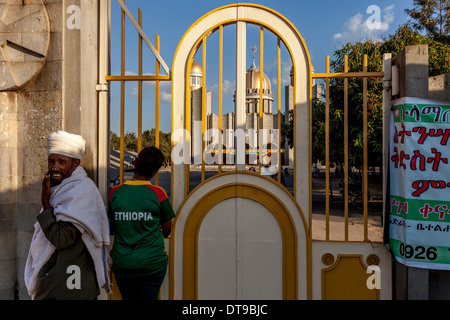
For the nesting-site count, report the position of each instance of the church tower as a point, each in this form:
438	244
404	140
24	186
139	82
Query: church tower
253	79
196	81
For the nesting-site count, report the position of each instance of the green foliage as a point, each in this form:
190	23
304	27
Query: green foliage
438	48
130	140
148	139
439	63
431	16
114	141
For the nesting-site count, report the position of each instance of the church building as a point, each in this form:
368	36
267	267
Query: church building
252	111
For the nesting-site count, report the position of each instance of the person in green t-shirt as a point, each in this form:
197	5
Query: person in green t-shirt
142	216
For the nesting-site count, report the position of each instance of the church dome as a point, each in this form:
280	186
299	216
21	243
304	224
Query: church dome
196	76
196	70
253	79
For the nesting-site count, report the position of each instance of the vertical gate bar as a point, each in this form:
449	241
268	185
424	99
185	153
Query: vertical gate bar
387	96
346	148
220	151
365	179
310	92
203	104
327	151
144	36
261	101
140	86
240	118
122	96
279	107
187	138
157	89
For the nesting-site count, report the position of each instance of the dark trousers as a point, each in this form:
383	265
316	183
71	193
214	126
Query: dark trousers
141	288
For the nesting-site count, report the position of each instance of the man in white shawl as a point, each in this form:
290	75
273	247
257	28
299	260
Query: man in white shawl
67	257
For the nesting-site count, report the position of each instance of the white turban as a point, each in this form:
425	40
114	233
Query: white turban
66	144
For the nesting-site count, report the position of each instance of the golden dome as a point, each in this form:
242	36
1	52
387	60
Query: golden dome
196	69
253	77
196	76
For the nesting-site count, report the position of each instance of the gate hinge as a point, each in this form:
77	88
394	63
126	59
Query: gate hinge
102	87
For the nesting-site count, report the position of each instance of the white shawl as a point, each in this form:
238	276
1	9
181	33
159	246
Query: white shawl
77	200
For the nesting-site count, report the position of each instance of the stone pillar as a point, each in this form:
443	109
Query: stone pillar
50	61
80	77
412	62
8	194
30	109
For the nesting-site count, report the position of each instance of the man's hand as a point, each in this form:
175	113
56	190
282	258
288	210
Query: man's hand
46	191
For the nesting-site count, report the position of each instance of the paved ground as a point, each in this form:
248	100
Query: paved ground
355	213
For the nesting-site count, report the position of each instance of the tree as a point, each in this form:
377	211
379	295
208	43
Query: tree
130	140
114	141
355	53
439	63
148	139
431	16
438	48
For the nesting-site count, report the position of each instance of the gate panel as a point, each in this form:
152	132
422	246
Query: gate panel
262	242
241	270
217	273
341	271
277	214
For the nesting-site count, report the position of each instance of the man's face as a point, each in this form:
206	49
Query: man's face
60	167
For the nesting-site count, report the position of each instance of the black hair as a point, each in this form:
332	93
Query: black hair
149	160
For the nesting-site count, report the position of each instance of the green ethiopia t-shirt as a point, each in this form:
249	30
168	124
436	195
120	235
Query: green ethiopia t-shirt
138	209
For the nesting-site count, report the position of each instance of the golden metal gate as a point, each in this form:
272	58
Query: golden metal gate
312	268
346	75
140	78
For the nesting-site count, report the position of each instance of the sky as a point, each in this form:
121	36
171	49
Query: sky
325	26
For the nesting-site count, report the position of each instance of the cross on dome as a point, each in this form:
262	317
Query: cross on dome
253	49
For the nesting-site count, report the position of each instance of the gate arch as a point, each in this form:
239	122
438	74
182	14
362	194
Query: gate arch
276	23
287	209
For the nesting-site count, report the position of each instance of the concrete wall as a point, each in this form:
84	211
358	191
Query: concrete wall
439	87
413	71
61	96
